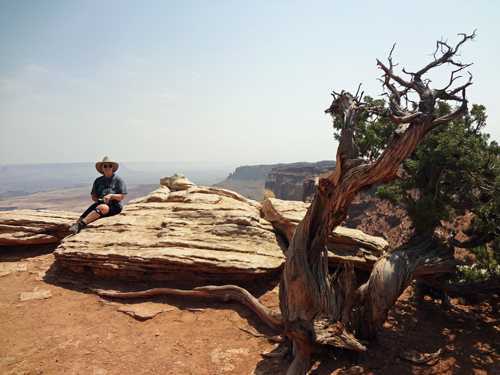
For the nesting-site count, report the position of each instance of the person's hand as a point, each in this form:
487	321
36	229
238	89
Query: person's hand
107	198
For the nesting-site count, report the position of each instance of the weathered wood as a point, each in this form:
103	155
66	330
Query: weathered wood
425	253
308	294
226	293
472	291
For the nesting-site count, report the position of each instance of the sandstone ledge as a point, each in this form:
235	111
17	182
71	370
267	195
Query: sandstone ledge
201	232
184	231
30	227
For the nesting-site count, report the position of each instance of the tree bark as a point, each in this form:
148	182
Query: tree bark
321	309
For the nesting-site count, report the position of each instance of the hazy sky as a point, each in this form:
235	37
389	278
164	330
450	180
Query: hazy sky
239	81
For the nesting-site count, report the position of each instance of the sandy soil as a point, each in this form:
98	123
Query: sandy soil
51	324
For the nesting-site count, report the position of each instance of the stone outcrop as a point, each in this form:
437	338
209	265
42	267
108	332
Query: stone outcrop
30	227
177	182
252	172
287	182
284	215
177	231
343	244
184	231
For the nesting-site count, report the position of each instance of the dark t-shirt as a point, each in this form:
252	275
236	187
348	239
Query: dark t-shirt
113	185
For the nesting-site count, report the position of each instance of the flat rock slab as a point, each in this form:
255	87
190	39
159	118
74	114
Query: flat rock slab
36	294
344	244
285	215
202	232
6	268
358	238
31	227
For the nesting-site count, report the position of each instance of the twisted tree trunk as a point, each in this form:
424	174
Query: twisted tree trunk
318	308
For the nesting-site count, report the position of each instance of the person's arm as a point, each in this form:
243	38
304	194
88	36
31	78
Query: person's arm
121	190
94	198
116	197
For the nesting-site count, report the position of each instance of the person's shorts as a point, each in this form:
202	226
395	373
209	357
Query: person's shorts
113	210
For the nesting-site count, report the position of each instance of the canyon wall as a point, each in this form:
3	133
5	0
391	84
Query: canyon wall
296	182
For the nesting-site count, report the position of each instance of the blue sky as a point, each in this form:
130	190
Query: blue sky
238	82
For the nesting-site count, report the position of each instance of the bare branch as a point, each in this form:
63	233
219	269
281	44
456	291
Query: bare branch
459	112
357	92
469	82
335	95
447	54
389	73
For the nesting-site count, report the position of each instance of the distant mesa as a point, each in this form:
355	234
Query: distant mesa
292	182
287	181
13	194
252	172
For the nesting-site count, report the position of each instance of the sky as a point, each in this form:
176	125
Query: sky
238	82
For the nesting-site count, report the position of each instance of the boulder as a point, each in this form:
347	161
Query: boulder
177	182
343	244
212	234
284	215
356	237
30	227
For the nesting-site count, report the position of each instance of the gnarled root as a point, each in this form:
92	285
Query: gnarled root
226	293
336	335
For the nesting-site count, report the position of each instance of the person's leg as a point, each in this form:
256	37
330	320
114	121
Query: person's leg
95	214
113	210
87	211
92	213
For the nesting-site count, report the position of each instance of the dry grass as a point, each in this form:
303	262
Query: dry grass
266	193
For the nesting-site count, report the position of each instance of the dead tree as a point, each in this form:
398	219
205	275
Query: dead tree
318	308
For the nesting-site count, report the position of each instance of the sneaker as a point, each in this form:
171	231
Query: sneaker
77	227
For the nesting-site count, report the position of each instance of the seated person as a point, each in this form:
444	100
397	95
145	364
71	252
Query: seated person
107	193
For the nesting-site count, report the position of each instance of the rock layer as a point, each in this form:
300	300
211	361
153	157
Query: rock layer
284	215
184	231
287	182
30	227
202	232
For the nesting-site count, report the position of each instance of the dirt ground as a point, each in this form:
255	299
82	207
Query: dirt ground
50	323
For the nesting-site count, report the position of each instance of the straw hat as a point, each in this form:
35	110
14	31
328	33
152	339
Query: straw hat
106	159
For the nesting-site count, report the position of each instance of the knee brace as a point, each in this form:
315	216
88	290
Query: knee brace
98	212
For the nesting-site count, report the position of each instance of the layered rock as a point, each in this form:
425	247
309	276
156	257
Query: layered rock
252	172
247	180
177	182
284	215
184	231
30	227
343	244
287	182
180	230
